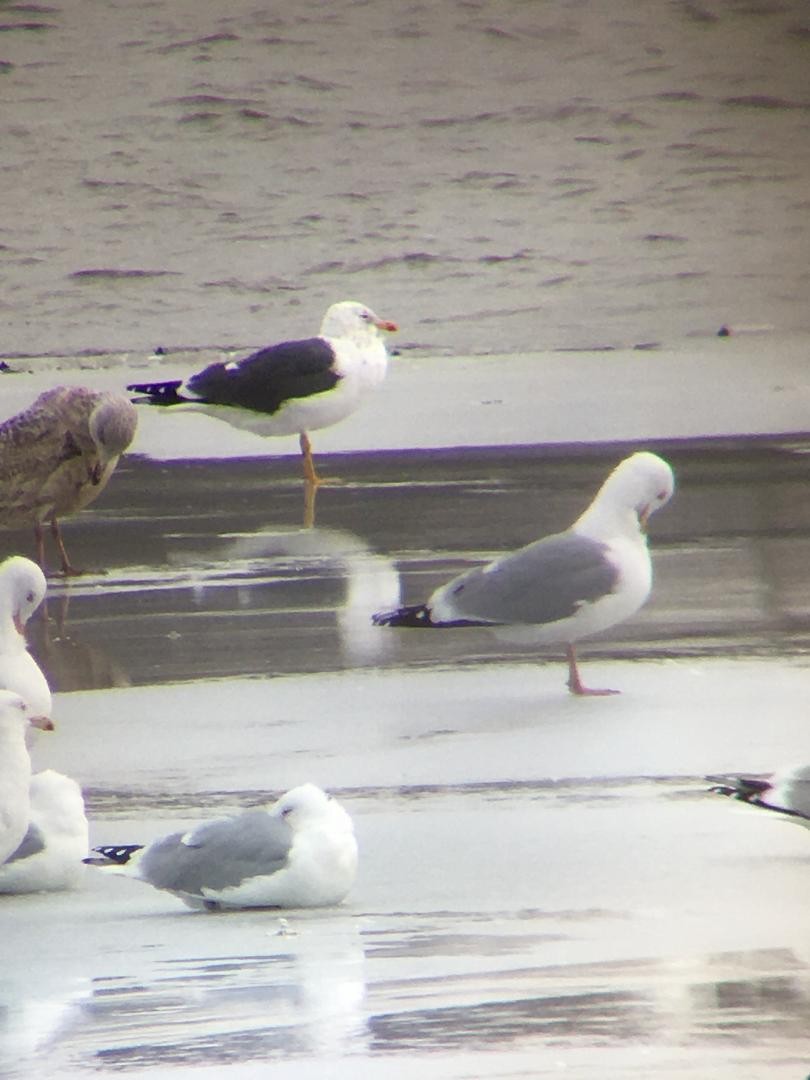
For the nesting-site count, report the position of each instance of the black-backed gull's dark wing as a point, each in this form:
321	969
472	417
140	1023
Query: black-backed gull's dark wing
219	854
266	379
541	583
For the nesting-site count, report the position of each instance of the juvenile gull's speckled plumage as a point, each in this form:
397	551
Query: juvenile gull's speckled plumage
566	586
292	387
57	456
298	852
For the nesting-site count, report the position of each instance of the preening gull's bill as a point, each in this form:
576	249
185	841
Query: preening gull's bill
297	852
15	770
22	590
57	456
293	387
786	794
49	856
566	586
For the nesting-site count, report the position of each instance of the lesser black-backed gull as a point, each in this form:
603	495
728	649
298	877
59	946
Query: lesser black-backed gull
293	387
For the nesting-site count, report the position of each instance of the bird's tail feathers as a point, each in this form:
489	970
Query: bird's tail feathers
115	858
158	393
413	615
745	788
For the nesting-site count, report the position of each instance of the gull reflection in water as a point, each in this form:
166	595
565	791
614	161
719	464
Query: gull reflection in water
301	994
370	580
68	662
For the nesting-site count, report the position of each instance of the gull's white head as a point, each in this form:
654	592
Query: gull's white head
353	320
16	716
308	805
636	488
22	590
59	799
13	711
642	482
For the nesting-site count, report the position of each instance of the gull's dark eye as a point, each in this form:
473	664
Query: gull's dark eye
30	598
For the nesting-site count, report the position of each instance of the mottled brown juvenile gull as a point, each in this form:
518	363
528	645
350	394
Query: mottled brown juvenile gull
297	852
566	586
15	770
786	794
49	856
57	456
22	590
293	387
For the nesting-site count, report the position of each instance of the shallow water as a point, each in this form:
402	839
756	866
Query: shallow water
207	571
546	885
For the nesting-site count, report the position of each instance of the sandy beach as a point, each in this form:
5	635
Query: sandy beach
560	205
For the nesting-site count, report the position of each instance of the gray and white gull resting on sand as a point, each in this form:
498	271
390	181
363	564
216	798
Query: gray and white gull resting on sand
49	856
57	456
298	852
293	387
15	770
785	794
566	586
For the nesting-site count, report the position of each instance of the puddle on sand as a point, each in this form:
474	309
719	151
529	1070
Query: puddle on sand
208	572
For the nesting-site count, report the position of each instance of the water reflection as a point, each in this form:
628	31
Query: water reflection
210	574
224	604
608	1003
370	580
304	998
69	662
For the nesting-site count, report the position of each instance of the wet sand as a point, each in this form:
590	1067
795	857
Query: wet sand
546	885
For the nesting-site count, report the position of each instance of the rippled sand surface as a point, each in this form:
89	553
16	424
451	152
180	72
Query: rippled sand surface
493	177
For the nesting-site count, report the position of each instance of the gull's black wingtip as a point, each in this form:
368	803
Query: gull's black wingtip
158	393
415	615
113	854
744	788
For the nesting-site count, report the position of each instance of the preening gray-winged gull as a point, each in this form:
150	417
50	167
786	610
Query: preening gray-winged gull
22	590
566	586
293	387
57	456
297	852
786	794
15	770
49	856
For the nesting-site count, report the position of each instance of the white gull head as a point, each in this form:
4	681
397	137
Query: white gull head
349	319
22	590
637	487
